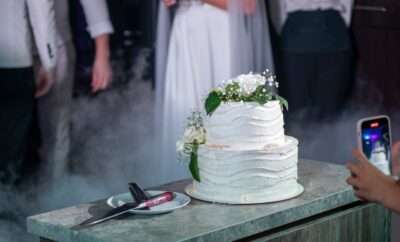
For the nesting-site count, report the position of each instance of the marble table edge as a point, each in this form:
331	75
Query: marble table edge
59	232
346	196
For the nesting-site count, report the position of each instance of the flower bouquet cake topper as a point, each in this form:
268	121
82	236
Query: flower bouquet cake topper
245	88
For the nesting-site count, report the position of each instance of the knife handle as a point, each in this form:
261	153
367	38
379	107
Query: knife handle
160	199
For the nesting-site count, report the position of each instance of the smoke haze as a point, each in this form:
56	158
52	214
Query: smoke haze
112	138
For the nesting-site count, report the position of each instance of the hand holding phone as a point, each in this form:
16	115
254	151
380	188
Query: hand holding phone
374	140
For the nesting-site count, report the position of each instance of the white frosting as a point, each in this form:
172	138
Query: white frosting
248	175
246	125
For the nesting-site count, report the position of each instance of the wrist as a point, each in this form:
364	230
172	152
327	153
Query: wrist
102	55
391	188
102	47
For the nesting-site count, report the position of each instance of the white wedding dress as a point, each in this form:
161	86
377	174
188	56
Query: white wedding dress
198	57
202	46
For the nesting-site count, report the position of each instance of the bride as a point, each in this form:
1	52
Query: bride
200	43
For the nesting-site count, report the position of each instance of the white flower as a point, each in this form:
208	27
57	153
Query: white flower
201	135
271	80
183	154
180	146
249	83
189	134
219	89
194	135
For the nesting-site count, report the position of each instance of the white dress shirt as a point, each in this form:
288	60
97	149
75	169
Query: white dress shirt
16	18
281	8
97	17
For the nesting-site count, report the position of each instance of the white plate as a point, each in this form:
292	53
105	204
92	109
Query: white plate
180	200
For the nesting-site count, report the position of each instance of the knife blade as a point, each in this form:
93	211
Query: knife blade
115	212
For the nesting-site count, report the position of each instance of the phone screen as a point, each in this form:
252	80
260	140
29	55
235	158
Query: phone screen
375	135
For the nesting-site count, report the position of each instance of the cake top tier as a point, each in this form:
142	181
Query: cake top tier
245	88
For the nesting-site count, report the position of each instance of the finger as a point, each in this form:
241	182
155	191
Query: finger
396	150
40	87
42	90
95	80
361	195
100	81
39	93
360	156
104	82
353	182
353	168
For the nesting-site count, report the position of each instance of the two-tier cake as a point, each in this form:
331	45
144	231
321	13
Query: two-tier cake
244	156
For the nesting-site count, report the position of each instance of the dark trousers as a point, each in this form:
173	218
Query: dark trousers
316	64
16	109
317	83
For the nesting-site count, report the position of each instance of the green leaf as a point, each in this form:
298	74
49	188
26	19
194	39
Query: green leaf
283	102
193	165
212	102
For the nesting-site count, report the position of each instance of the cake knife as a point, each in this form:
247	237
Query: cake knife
157	200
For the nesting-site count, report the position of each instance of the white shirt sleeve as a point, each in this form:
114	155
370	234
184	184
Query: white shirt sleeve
347	10
97	17
278	13
42	18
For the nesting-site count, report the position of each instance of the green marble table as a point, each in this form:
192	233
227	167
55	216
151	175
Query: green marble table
326	211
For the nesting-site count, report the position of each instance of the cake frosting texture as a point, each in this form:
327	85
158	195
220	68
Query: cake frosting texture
248	176
250	125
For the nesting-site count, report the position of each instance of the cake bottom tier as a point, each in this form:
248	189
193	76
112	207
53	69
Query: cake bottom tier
246	176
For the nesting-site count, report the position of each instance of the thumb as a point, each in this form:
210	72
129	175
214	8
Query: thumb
360	156
396	150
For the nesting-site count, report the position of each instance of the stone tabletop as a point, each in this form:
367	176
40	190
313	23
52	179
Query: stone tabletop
325	189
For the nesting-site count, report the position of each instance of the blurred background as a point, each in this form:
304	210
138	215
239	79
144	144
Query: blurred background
111	130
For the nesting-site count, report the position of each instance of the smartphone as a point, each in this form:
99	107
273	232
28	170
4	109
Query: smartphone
374	140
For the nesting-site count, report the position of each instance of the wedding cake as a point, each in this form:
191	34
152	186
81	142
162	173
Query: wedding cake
239	153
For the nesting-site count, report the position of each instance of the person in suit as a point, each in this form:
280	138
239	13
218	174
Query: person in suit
316	59
54	109
17	85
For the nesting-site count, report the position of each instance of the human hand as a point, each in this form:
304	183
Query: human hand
102	74
45	81
368	182
169	3
249	6
396	159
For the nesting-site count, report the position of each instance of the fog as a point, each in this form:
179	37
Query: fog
112	138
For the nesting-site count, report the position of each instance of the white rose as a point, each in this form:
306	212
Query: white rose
193	134
249	83
189	135
200	136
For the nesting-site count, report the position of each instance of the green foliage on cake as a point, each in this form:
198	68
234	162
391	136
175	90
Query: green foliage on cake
245	88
